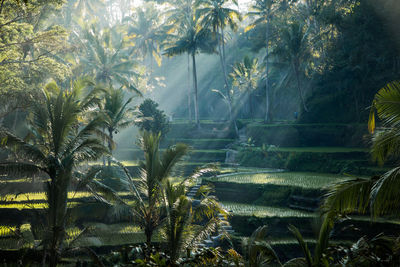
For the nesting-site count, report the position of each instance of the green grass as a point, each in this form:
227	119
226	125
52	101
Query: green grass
298	179
264	211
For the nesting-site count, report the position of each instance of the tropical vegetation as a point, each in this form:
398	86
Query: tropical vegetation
199	133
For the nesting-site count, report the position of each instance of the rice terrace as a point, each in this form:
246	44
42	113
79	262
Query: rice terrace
199	133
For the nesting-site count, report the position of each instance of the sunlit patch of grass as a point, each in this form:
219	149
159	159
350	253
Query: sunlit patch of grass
21	206
130	163
299	179
114	234
234	169
264	211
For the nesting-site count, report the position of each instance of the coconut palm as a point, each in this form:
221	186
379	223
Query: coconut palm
60	139
293	50
147	34
380	194
216	14
263	11
107	59
192	39
116	113
245	76
176	18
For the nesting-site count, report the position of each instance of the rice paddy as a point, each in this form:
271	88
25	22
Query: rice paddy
264	211
298	179
96	234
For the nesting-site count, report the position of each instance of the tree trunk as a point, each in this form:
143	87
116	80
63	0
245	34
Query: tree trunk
189	90
57	212
196	101
103	157
110	131
221	46
296	70
267	117
14	126
148	232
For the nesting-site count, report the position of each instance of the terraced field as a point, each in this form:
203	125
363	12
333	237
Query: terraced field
297	179
254	196
95	235
241	209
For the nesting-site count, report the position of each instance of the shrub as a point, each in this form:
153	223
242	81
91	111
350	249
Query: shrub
152	119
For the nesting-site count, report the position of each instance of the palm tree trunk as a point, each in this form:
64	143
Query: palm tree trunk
14	126
296	70
221	46
103	157
110	131
57	212
189	90
196	101
267	118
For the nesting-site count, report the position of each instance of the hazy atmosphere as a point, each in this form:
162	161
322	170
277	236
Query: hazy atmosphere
199	133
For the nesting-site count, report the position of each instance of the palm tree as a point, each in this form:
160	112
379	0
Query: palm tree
116	113
260	252
293	50
176	18
215	15
58	143
245	76
263	10
380	194
154	171
192	39
182	213
107	59
147	34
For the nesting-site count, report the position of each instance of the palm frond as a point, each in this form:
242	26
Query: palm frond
303	245
352	195
385	194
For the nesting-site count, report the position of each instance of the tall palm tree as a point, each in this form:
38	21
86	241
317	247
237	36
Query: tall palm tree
380	194
59	141
264	10
192	39
107	58
293	49
216	15
176	18
116	113
147	34
245	76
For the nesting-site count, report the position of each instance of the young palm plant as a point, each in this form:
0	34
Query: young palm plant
182	226
245	76
147	193
116	113
60	139
260	252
